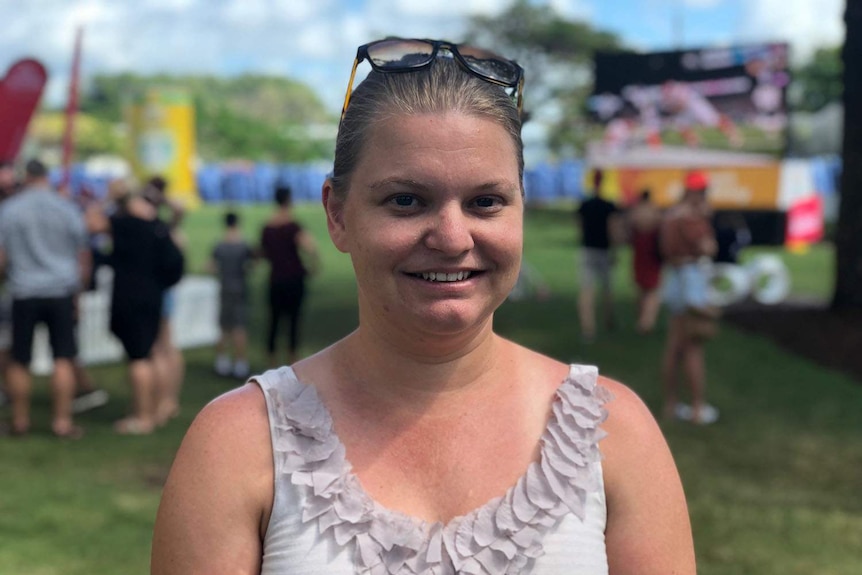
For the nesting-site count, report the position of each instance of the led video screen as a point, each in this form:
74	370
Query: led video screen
732	99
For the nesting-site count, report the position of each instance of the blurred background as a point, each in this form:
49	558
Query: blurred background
228	98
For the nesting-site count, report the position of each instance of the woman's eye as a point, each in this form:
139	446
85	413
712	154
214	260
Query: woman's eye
404	201
486	202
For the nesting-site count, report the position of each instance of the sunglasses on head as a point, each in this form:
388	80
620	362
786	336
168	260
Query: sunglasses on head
406	55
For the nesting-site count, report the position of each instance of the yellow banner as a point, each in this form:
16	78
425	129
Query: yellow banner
731	188
162	135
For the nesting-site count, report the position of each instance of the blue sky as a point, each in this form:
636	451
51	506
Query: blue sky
658	24
315	40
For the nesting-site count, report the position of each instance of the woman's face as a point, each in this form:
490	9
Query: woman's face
433	221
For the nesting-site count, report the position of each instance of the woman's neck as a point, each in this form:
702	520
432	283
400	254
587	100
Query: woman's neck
409	375
283	214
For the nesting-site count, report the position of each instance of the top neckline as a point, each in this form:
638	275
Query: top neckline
500	536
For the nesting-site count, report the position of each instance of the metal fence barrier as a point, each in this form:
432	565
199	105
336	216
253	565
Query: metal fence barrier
194	322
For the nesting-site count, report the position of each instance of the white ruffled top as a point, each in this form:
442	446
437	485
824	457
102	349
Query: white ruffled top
552	521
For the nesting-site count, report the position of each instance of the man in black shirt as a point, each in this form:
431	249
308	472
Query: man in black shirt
599	220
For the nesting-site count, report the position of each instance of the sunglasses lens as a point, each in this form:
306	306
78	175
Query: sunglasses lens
400	54
490	65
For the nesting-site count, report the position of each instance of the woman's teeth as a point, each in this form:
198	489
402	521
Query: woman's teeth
444	277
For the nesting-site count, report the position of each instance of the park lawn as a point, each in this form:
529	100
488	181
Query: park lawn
773	488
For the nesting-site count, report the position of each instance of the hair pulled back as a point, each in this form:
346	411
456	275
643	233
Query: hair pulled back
442	87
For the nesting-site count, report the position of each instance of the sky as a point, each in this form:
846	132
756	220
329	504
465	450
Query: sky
314	41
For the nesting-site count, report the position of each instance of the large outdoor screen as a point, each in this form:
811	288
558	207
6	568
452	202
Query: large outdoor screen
731	99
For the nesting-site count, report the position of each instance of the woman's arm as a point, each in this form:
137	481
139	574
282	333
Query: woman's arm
308	252
96	221
648	530
216	502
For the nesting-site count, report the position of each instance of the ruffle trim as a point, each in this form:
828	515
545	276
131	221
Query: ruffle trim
501	537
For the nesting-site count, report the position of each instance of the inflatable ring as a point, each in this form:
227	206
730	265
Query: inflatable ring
728	284
770	280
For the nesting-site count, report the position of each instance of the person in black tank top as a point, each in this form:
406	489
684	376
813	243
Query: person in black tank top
286	246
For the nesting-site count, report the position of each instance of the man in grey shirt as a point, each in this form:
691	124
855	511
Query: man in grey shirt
43	248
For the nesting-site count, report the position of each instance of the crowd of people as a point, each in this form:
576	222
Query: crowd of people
672	254
292	255
423	441
50	248
142	228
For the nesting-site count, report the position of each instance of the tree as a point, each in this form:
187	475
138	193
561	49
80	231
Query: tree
848	235
250	117
818	81
557	56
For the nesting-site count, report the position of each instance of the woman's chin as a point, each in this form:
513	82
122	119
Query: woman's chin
450	321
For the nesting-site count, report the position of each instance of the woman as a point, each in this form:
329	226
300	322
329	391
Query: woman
687	243
423	442
287	248
644	219
141	248
168	360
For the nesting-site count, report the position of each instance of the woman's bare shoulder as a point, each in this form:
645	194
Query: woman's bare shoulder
236	422
628	415
648	529
239	403
218	496
634	441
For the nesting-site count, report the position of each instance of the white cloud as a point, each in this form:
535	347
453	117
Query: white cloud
315	40
572	9
807	25
434	9
702	3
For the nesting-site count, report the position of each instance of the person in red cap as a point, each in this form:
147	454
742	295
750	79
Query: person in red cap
686	240
696	181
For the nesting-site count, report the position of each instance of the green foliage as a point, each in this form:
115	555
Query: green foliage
251	117
527	31
92	135
224	133
557	56
818	81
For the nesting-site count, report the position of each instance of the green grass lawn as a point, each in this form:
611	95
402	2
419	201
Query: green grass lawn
774	488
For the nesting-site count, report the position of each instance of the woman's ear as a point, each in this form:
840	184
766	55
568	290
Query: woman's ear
334	207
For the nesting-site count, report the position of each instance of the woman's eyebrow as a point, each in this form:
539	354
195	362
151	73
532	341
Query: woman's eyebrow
399	181
416	185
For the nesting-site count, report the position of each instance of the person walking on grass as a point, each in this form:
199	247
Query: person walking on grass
146	262
292	256
599	223
686	238
643	219
231	259
168	359
44	250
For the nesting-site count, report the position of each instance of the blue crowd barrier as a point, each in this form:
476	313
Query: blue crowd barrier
254	183
826	171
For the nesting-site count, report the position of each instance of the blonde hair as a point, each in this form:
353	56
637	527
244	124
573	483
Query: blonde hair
442	87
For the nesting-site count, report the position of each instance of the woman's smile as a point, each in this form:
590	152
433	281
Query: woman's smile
444	276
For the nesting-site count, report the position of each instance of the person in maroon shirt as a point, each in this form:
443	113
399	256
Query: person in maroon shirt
292	255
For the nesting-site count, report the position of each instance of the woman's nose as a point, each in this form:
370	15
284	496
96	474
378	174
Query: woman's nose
450	231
